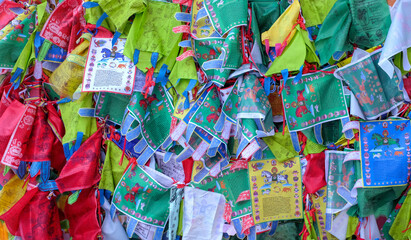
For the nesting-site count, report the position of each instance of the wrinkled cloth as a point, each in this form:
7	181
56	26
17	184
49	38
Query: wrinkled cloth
203	214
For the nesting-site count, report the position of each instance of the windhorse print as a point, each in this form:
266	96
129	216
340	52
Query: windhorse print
107	53
375	92
385	152
107	69
139	188
314	99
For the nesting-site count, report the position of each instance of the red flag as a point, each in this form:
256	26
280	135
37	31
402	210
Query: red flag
188	169
8	122
6	15
58	26
4	102
12	216
40	219
20	138
41	140
57	125
81	170
314	177
82	216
